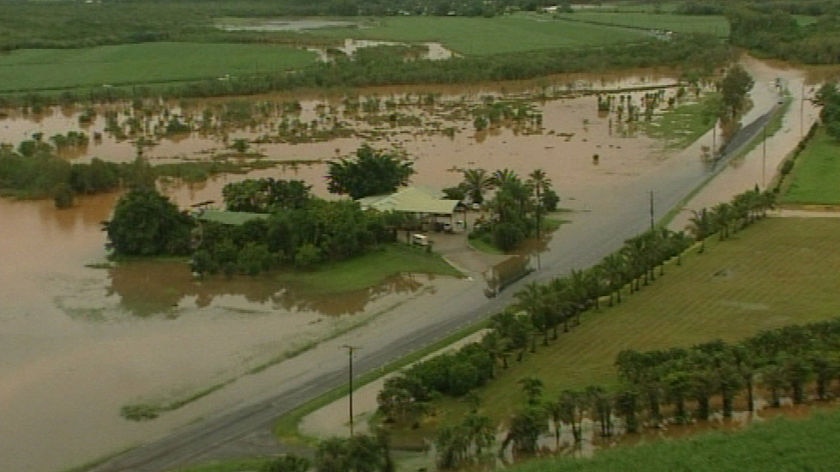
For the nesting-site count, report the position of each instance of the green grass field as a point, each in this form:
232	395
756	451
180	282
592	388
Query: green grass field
778	272
815	179
368	270
146	63
483	36
715	25
778	445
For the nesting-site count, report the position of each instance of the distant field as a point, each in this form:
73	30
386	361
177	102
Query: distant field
716	25
51	69
815	179
778	272
482	36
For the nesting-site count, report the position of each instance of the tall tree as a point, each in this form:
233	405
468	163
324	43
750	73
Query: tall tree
539	181
372	172
146	223
476	182
734	88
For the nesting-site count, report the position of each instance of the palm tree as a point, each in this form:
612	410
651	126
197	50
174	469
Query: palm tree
700	225
614	269
501	177
525	429
570	405
533	388
723	214
532	299
476	182
555	413
540	183
600	401
627	405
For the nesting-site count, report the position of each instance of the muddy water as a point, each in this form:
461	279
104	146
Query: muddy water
80	342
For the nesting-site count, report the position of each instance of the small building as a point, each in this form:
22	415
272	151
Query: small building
427	204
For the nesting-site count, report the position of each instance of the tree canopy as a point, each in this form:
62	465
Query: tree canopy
146	223
371	173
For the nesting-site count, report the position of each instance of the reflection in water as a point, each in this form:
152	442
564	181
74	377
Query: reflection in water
148	288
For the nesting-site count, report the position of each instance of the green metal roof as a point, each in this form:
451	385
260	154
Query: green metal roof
411	200
235	218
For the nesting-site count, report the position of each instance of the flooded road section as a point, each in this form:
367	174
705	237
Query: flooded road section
80	338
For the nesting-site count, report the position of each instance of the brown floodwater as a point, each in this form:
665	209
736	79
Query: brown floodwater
80	341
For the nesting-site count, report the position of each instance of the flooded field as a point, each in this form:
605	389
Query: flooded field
81	338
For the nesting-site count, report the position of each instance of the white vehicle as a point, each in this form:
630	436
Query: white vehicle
419	239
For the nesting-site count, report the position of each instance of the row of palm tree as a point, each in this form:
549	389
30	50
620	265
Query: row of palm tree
790	360
782	361
726	219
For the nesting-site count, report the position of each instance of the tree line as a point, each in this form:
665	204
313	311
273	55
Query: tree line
35	171
386	66
536	317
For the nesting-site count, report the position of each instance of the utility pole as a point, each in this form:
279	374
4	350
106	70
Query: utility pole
764	158
651	210
350	350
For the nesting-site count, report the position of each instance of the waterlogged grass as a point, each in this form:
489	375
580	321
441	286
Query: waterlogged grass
368	270
681	126
815	179
778	272
781	444
485	36
145	63
709	24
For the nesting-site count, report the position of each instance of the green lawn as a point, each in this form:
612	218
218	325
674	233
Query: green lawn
778	445
778	272
368	271
483	36
51	69
715	25
815	179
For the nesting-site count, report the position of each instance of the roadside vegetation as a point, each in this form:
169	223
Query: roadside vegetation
814	176
668	314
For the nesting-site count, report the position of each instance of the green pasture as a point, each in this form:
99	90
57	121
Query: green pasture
146	63
368	270
815	179
779	445
485	36
715	25
779	271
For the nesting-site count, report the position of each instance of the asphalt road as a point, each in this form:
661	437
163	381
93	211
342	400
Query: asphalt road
592	236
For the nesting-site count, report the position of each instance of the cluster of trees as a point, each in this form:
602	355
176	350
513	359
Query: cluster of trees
782	361
829	98
775	32
316	231
517	206
661	384
34	171
146	223
725	218
539	311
